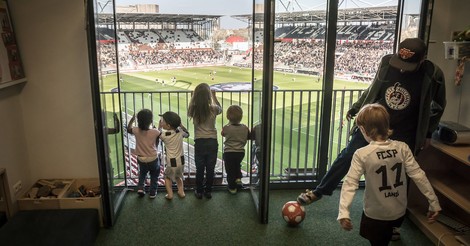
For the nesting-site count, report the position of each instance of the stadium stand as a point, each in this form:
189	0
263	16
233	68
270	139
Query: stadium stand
282	32
360	44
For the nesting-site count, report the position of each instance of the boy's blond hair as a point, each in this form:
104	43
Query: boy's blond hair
374	119
234	114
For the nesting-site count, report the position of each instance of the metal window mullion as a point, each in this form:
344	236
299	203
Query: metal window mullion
328	80
116	139
300	129
282	131
332	124
291	124
274	130
222	103
188	127
340	127
307	134
169	102
316	129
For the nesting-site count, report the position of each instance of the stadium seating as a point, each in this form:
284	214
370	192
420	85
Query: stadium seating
123	39
159	47
282	32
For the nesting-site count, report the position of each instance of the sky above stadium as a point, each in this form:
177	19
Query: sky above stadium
238	7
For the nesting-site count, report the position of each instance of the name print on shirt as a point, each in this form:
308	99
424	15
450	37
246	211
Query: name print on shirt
386	154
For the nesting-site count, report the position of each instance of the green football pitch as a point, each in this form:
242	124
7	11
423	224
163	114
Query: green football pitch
164	90
189	78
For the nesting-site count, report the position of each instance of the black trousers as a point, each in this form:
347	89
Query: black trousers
233	162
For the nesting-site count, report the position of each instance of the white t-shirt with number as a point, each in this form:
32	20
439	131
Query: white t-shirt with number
385	166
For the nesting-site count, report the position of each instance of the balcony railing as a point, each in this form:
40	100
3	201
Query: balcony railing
295	130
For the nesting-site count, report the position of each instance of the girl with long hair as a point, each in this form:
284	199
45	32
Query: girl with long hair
203	109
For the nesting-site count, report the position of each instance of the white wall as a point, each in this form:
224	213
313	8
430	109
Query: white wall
52	114
448	16
13	147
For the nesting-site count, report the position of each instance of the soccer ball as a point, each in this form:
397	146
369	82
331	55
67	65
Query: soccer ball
293	213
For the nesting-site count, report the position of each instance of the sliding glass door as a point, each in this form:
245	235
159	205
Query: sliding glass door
105	88
295	67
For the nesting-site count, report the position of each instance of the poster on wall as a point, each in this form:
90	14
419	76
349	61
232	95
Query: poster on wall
11	68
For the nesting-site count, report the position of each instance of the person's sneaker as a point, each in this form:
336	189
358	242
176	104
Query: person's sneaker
141	193
232	191
181	194
395	234
168	197
208	195
307	198
239	183
198	195
153	195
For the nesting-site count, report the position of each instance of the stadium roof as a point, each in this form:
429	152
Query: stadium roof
370	14
155	18
319	16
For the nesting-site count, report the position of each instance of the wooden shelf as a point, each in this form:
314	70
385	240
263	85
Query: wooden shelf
439	234
453	187
459	152
12	83
448	170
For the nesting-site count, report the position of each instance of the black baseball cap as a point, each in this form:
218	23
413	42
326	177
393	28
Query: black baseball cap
410	53
172	118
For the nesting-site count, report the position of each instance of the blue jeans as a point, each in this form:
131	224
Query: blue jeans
153	168
340	166
205	157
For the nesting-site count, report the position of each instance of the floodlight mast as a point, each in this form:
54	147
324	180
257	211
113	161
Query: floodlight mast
290	3
103	6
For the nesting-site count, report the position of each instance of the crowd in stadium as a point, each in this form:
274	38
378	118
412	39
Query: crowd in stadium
352	57
151	56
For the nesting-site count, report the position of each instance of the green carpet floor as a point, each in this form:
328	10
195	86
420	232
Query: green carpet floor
232	220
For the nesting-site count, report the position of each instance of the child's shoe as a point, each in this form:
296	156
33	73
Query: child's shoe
307	198
208	195
395	234
141	193
239	183
198	195
181	194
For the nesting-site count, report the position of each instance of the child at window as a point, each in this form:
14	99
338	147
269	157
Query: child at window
203	109
385	164
172	134
236	136
146	150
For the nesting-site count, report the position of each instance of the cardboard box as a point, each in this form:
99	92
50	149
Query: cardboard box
30	201
71	201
